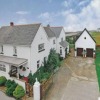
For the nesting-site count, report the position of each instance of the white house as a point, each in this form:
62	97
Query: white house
85	45
23	48
57	40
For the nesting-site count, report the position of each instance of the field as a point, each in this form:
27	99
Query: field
96	36
97	62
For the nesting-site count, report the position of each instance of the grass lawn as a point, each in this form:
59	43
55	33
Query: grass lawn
97	62
96	36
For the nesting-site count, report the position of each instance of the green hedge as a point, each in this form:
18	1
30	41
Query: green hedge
2	80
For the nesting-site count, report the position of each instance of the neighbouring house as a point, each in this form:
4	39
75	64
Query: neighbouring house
85	45
62	44
57	36
23	48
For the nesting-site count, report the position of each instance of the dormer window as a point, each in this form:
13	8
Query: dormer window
1	50
15	51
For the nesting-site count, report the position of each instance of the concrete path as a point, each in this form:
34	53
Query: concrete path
76	80
4	97
80	90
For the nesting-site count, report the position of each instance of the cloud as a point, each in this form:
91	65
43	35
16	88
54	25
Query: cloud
22	12
47	17
83	2
88	17
65	3
22	21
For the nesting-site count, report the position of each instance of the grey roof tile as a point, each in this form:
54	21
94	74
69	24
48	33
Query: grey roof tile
49	32
64	44
56	30
18	34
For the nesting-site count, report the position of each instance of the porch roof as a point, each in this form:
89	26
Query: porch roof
64	44
13	60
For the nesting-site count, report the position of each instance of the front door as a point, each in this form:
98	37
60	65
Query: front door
13	71
89	52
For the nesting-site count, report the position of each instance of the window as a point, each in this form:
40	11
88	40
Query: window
60	51
38	64
41	47
61	39
15	51
45	58
1	49
84	37
53	41
2	68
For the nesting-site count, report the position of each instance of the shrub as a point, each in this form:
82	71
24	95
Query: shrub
19	92
2	80
10	90
9	83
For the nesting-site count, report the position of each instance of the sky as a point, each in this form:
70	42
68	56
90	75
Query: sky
73	15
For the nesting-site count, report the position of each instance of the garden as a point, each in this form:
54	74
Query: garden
97	62
48	68
11	88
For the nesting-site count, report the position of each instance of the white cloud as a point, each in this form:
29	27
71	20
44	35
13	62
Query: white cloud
89	17
65	3
22	12
22	21
47	17
83	2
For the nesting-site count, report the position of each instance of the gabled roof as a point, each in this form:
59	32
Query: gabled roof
64	44
18	34
56	30
49	32
88	33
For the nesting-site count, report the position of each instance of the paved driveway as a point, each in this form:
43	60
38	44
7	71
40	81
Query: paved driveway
4	97
76	80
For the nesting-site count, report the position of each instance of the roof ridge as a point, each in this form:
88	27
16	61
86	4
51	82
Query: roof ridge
24	25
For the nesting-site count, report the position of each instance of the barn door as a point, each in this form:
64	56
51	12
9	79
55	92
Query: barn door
79	51
89	52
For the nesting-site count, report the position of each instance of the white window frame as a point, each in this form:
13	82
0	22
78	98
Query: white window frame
54	42
41	47
2	68
38	64
15	51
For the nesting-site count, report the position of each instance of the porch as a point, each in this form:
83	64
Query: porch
10	66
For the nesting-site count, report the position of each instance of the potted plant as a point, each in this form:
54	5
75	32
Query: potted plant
24	69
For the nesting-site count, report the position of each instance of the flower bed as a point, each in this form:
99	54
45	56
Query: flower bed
11	88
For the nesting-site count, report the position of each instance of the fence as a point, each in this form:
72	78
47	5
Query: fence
45	86
29	90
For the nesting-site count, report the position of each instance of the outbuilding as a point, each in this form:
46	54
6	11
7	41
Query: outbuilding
85	45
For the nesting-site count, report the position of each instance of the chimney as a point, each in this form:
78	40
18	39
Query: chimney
48	25
11	24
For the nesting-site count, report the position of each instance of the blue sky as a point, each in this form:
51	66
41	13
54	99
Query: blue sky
72	14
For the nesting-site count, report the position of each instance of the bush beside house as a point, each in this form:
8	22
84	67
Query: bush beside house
2	80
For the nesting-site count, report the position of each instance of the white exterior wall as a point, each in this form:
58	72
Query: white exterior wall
85	43
41	37
2	73
22	52
51	43
62	35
